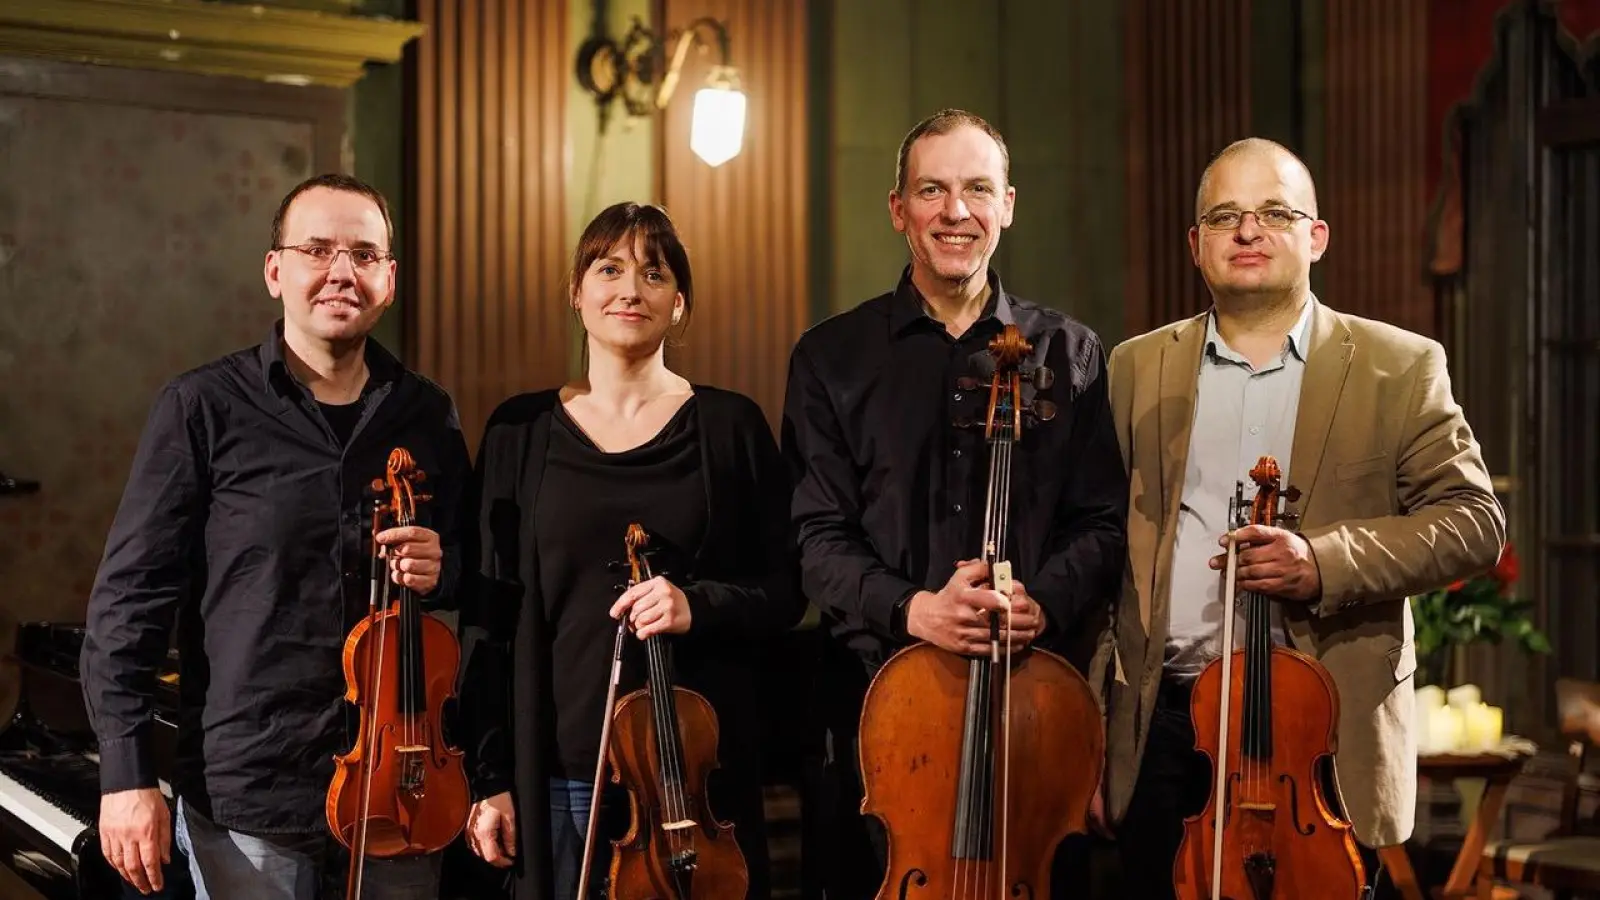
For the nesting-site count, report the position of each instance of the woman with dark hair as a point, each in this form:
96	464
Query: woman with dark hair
560	475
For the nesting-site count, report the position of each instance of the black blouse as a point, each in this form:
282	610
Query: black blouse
589	499
741	582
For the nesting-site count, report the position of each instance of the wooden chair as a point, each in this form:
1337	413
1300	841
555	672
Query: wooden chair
1568	860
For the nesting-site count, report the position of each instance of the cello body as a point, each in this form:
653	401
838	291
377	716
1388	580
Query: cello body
1314	850
978	766
911	740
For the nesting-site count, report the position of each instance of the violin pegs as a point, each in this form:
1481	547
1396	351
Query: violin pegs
1043	377
968	383
1043	410
963	423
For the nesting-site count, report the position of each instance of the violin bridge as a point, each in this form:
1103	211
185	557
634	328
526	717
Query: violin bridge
1258	807
680	825
412	748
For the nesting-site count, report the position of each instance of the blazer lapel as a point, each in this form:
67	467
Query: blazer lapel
1326	366
1180	372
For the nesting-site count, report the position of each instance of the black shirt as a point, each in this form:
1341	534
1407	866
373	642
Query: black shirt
890	496
341	419
590	497
244	518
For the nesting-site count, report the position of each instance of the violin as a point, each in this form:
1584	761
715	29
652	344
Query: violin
1267	719
979	767
400	791
661	741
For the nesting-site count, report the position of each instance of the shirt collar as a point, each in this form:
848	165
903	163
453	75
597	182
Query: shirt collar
907	307
382	366
1298	335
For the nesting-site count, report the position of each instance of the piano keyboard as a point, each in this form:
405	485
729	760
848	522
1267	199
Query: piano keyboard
40	805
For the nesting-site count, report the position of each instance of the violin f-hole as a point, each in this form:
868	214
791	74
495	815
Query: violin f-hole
1308	828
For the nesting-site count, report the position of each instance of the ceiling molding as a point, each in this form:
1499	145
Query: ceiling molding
266	43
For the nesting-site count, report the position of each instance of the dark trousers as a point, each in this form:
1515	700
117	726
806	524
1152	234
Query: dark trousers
1175	783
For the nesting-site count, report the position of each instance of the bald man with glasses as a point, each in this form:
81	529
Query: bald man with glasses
1394	499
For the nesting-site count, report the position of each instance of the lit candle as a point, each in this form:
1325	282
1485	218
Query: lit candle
1430	697
1465	697
1448	726
1483	725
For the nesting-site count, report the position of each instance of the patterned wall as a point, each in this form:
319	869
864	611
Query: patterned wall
131	243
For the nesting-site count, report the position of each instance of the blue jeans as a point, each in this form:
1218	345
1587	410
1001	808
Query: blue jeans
569	825
231	864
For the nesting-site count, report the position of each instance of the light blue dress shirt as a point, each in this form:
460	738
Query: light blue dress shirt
1241	414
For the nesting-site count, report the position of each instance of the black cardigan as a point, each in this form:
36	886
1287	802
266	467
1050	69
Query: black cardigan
743	589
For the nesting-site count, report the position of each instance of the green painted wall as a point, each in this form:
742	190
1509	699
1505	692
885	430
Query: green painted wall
374	151
1047	74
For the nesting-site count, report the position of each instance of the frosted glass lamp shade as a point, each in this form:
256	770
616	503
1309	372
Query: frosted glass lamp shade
716	133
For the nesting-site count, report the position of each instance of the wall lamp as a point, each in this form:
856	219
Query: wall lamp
638	73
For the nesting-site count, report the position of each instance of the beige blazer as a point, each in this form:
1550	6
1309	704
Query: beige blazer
1395	501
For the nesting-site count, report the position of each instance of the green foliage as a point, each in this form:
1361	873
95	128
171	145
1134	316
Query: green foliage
1481	609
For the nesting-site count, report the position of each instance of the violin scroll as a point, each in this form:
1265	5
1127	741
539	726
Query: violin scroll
1008	410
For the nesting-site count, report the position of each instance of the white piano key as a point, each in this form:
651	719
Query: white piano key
38	814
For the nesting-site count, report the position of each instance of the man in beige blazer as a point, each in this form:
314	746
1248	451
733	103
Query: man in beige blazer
1394	500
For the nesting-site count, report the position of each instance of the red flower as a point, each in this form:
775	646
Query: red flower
1508	568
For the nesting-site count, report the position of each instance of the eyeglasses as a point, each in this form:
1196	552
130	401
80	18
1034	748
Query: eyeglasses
1273	218
322	256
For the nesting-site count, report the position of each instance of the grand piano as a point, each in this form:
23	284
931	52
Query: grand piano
50	774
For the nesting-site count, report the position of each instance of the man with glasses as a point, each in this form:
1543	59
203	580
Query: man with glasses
1393	500
244	520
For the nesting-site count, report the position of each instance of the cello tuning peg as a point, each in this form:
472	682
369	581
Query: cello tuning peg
615	565
1292	494
1043	410
967	383
963	423
1042	377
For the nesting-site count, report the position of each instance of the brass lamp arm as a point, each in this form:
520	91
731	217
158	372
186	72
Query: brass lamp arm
680	54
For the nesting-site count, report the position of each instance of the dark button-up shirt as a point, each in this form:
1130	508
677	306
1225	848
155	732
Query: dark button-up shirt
890	496
246	519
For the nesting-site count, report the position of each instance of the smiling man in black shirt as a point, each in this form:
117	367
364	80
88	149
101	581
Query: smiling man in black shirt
890	497
243	519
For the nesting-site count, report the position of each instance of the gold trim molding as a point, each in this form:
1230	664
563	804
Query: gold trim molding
259	41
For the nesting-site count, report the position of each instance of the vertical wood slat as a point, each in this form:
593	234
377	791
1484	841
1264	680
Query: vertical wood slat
745	222
1373	187
1187	71
486	317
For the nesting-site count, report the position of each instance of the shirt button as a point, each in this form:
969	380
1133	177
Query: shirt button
956	508
956	453
956	396
1255	429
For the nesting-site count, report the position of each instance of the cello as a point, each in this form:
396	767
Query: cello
1266	719
947	740
400	791
661	741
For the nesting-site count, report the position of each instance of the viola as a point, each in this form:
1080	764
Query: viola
1267	717
980	766
661	742
401	790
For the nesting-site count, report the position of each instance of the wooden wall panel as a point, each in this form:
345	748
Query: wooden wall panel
745	222
485	311
1373	186
1187	74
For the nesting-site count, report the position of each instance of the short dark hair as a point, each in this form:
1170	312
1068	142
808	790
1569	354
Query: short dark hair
643	222
943	122
336	181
